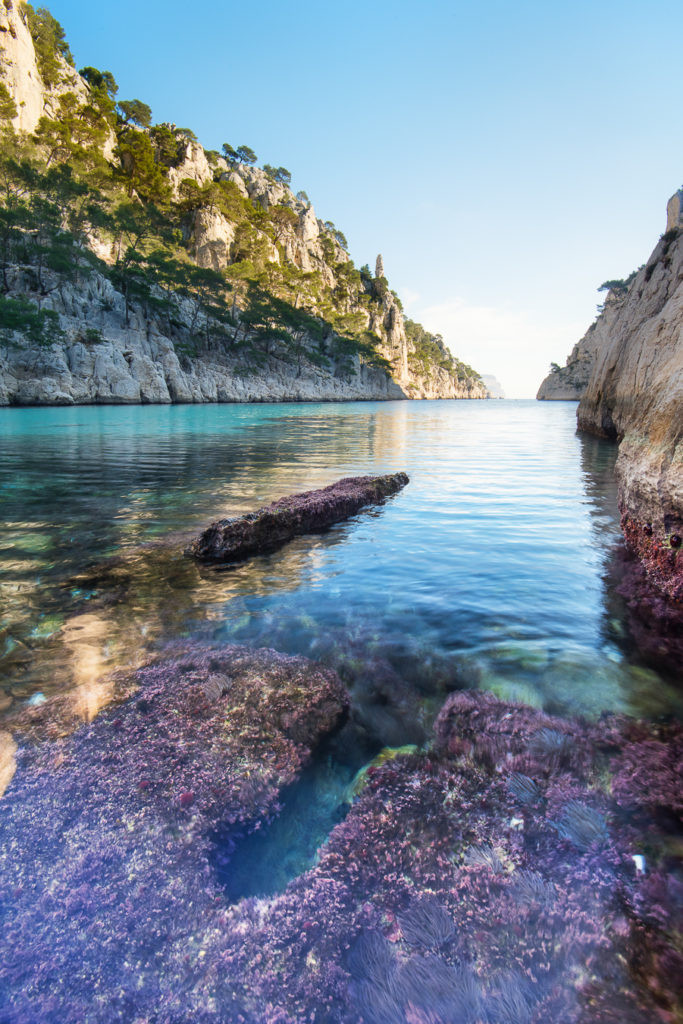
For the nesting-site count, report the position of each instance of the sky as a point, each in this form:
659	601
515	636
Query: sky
505	158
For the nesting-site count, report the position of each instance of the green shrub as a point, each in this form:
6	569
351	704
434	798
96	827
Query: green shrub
49	42
8	108
21	317
91	336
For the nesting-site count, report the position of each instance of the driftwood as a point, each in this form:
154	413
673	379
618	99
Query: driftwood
230	540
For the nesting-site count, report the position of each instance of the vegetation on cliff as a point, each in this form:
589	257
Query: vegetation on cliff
221	255
428	350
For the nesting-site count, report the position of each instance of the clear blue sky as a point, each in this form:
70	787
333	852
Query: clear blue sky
505	158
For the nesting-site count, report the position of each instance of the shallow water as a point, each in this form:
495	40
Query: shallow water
494	568
491	569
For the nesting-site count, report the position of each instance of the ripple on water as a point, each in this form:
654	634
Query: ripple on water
492	568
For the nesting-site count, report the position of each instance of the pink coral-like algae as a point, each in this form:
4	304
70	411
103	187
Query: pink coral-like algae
229	540
659	553
488	879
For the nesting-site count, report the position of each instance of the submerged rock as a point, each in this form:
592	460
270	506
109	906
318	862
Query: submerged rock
447	894
654	621
496	877
230	540
106	836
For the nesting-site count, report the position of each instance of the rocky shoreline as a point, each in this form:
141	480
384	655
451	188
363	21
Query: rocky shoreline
112	357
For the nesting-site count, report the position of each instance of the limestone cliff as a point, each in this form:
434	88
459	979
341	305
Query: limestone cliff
635	396
568	383
200	277
33	96
112	358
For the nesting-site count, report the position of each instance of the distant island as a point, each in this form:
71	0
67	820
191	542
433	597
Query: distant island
493	386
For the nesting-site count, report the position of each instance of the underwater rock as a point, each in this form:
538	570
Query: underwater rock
106	835
489	878
448	895
230	540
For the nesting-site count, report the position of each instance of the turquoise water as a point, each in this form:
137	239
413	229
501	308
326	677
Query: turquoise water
492	569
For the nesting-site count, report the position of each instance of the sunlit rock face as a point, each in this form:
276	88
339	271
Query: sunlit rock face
21	74
569	382
194	166
32	96
21	69
674	211
635	395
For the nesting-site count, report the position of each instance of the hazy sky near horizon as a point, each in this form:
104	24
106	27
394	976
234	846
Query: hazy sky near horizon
505	158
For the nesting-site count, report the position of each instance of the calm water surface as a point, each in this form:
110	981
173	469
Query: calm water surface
492	569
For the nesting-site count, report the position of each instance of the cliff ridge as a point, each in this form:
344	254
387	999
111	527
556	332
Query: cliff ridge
141	267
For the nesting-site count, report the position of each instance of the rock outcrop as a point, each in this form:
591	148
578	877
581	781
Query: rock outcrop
674	211
230	540
568	383
635	396
20	72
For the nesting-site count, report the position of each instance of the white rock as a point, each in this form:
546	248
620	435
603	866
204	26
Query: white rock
211	236
194	166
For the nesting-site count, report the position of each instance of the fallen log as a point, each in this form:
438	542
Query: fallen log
230	540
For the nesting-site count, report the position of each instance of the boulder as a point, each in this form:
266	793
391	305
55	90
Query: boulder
230	540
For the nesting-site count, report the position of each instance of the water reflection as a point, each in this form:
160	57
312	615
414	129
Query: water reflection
490	570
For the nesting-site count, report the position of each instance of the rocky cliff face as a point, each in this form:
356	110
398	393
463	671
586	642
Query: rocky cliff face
21	74
114	347
136	358
568	383
109	357
635	396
